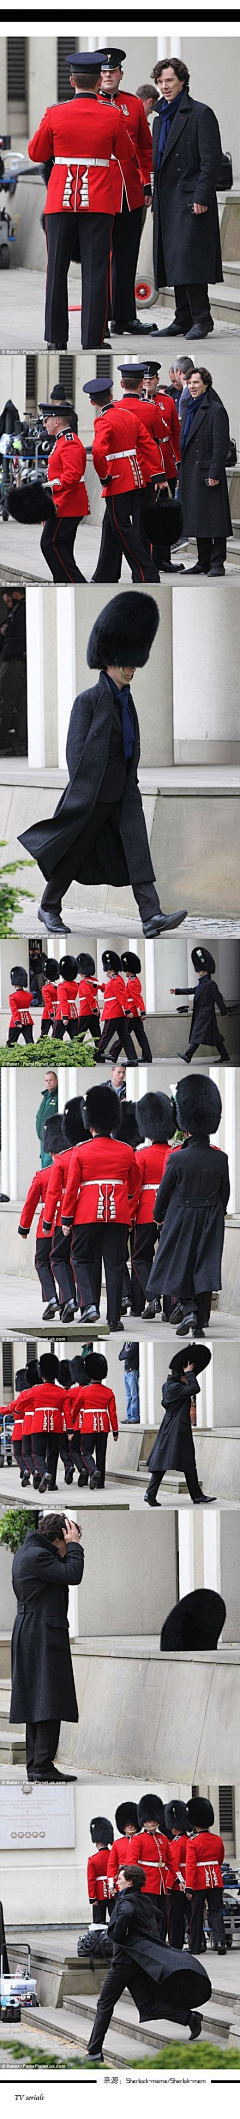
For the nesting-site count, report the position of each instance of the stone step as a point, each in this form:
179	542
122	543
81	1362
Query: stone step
119	2047
12	1746
215	2020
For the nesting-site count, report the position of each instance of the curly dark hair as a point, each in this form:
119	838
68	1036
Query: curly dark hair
134	1875
178	67
52	1527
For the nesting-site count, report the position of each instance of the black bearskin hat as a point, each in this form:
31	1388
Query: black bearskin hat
130	962
126	1814
202	960
31	503
67	967
49	1368
86	965
77	1369
51	968
110	960
198	1105
64	1376
124	631
176	1818
102	1831
53	1139
198	1355
19	975
73	1128
200	1812
96	1368
31	1375
163	524
102	1109
155	1117
195	1622
151	1806
128	1126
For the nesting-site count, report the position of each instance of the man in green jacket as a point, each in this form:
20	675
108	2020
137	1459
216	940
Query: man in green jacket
47	1109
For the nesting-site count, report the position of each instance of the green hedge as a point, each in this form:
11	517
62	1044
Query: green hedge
49	1052
172	2059
14	1525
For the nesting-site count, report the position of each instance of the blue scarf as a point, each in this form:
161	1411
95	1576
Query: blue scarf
167	113
192	408
122	696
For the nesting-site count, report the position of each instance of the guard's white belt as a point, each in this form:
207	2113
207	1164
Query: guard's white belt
81	162
113	454
86	1181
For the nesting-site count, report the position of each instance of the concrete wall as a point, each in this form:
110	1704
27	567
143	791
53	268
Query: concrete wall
175	1715
178	827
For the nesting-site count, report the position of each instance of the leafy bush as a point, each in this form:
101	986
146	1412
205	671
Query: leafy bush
14	1524
49	1052
173	2058
11	898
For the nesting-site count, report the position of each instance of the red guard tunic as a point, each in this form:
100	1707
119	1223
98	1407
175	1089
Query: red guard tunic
134	1002
49	997
73	1411
67	1001
94	159
103	1183
20	1003
204	1856
152	1851
149	449
139	133
47	1403
57	1179
152	417
37	1191
16	1411
88	996
115	449
66	465
150	1161
97	1876
171	441
178	1856
113	1005
99	1410
120	1853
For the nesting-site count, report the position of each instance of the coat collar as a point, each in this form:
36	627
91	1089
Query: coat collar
182	114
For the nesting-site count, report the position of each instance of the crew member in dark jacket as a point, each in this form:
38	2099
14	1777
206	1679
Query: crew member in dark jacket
173	1449
94	836
43	1690
187	170
204	1027
191	1202
160	1982
204	444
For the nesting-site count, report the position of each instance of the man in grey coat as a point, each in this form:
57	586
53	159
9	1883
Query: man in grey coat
43	1690
187	158
98	833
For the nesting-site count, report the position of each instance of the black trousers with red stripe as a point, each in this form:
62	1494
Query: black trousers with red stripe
45	1451
95	1244
89	236
18	1454
57	541
215	1911
61	1267
120	534
81	1454
126	237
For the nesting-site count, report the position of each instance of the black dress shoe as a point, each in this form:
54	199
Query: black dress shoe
51	1311
52	921
188	1324
151	1504
26	1479
201	328
68	1313
173	330
115	1324
195	2024
161	921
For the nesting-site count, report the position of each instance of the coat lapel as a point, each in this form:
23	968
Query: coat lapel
199	416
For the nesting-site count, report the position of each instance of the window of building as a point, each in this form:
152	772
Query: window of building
227	1818
7	1366
64	91
104	365
66	374
17	83
31	382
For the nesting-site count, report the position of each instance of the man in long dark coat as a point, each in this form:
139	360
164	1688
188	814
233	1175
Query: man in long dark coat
191	1203
160	1982
204	444
98	833
187	171
43	1690
206	998
173	1449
